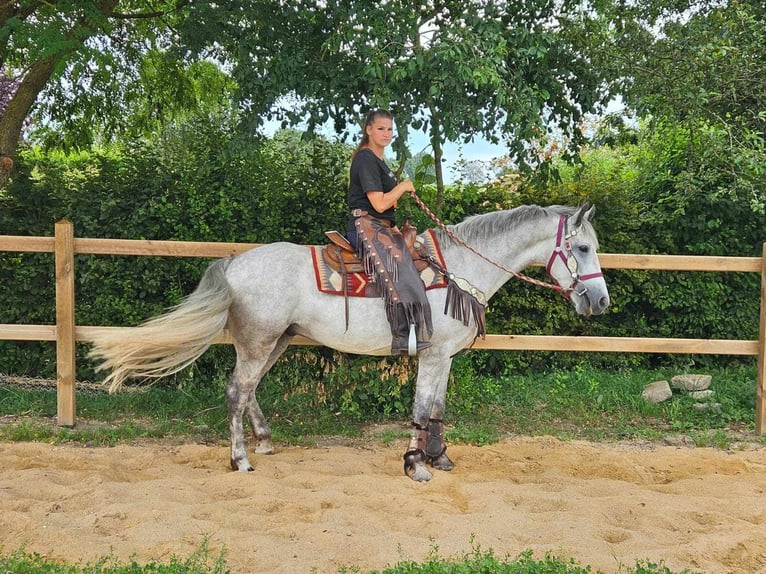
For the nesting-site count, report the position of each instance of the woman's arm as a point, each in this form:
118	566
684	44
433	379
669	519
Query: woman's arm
382	201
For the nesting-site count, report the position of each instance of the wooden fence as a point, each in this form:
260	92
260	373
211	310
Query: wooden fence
64	246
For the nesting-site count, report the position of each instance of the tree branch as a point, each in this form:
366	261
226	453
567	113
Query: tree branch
10	9
147	15
139	15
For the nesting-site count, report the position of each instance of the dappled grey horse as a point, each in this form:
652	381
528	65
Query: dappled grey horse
239	294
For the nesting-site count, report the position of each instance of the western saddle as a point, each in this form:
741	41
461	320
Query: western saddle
341	256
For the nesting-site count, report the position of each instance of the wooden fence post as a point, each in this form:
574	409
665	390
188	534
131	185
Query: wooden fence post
65	323
760	398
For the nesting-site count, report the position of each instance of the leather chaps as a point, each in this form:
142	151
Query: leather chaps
388	262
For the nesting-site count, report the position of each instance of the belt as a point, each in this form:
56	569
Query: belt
362	213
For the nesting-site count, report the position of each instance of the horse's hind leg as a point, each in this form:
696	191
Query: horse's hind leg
240	398
261	428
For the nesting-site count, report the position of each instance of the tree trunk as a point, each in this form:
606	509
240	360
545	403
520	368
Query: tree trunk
18	108
40	72
436	145
438	155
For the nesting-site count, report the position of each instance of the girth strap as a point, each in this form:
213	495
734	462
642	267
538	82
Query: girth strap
344	280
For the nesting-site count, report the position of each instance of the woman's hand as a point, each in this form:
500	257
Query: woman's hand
406	187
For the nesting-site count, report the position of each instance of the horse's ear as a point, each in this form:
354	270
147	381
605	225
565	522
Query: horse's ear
585	212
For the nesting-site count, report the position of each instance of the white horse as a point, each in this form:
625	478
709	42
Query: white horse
268	295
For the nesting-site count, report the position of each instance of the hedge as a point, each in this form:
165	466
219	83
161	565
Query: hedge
203	181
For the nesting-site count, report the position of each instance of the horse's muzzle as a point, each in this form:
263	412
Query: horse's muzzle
597	305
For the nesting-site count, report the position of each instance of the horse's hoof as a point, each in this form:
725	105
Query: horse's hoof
264	447
443	463
418	473
242	465
415	466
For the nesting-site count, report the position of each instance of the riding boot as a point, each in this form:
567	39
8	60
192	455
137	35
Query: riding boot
404	337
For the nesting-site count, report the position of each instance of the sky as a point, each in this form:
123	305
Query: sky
478	150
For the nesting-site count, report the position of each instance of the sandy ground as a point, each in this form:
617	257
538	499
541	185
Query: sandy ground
317	509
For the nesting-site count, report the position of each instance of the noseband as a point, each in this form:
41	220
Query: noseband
564	252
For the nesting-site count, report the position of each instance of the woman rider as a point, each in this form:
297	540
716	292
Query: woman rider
372	197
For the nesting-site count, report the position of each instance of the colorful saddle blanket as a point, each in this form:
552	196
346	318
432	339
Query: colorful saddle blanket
331	281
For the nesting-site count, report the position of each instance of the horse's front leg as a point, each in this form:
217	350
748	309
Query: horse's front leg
427	440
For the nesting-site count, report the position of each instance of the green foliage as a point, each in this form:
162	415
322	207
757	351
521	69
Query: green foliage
199	181
202	180
303	403
199	562
453	70
668	193
701	66
596	404
480	560
100	70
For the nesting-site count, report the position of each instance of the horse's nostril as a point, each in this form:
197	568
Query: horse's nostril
603	303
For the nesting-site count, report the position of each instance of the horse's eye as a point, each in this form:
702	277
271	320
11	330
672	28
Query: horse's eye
583	248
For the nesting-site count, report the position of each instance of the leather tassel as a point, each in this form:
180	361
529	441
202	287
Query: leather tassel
461	306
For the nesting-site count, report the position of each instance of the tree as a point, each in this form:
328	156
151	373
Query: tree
700	65
95	68
454	69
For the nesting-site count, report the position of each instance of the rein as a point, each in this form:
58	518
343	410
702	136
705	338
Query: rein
558	252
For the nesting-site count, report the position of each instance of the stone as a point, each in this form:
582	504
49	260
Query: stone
701	395
691	382
657	392
680	441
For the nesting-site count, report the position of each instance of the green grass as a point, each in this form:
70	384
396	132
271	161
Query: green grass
603	405
580	403
201	562
480	560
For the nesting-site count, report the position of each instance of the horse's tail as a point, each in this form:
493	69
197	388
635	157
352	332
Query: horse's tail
168	343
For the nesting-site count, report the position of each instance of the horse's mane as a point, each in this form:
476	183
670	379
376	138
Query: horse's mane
477	227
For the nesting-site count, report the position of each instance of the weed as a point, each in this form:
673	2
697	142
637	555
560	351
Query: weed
199	562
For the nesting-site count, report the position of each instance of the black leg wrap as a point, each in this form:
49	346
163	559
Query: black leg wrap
427	446
435	446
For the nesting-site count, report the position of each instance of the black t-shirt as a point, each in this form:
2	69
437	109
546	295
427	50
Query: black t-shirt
369	173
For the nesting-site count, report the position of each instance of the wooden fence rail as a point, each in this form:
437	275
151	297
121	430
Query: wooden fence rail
65	333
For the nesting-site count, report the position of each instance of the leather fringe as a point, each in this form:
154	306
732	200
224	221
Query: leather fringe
382	261
461	305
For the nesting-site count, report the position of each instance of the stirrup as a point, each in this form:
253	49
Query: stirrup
413	345
412	341
404	351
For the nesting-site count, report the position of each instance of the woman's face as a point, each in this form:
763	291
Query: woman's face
381	132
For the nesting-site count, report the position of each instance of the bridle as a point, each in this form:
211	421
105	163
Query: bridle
559	252
565	253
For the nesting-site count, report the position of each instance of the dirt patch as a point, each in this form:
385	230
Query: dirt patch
325	507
